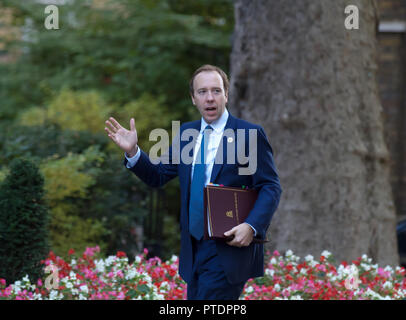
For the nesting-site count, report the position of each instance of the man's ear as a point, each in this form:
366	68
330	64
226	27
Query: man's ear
193	99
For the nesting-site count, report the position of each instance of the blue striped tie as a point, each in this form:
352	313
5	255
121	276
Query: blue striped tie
196	218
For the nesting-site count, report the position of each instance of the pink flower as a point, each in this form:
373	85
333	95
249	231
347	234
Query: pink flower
91	251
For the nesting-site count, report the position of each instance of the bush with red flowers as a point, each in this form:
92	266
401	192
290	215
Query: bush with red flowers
286	277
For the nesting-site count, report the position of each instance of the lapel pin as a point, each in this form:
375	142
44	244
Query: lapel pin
230	139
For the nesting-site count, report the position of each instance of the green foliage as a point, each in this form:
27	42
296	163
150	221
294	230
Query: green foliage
69	231
126	58
80	111
23	222
66	178
123	50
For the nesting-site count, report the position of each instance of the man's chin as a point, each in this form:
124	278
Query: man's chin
210	119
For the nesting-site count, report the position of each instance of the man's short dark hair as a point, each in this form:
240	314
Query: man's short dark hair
209	67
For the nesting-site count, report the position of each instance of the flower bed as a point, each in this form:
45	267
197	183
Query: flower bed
90	277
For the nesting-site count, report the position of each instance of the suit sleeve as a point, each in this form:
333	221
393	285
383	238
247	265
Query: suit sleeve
154	175
266	182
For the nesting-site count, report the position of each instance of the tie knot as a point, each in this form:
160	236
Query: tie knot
208	127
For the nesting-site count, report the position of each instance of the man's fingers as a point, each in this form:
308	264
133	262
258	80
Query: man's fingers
111	135
230	232
111	126
132	124
116	125
108	131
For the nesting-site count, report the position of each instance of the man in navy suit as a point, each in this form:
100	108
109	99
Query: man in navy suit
213	269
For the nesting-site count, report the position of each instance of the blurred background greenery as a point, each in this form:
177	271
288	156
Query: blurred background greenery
121	58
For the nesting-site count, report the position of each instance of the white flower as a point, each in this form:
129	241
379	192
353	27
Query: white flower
249	289
351	270
373	294
277	287
131	274
69	285
82	297
147	278
53	295
100	266
333	278
269	272
309	258
296	297
288	253
326	254
367	267
73	262
37	296
388	268
26	279
164	286
72	275
273	261
109	261
84	288
174	258
387	285
138	259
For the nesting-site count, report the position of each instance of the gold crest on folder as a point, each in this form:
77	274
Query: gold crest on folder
229	214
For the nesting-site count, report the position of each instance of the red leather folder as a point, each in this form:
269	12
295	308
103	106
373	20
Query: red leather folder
225	208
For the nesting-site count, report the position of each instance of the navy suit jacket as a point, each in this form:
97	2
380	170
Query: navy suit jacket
239	264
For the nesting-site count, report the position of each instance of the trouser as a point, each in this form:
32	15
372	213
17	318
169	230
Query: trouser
209	281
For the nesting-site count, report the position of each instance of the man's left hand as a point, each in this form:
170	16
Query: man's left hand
243	235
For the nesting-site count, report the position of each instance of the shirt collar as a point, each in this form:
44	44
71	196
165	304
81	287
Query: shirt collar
217	125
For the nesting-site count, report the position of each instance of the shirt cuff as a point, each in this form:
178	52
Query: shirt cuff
132	161
255	231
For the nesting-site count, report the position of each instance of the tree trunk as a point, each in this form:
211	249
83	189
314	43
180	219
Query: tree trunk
310	82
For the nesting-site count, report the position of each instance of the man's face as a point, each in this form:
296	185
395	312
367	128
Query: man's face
209	96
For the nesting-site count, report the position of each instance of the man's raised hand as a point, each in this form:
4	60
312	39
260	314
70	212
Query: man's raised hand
126	139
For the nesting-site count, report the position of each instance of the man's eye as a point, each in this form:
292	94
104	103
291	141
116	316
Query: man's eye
202	91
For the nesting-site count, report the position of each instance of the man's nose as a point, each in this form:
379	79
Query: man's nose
209	96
